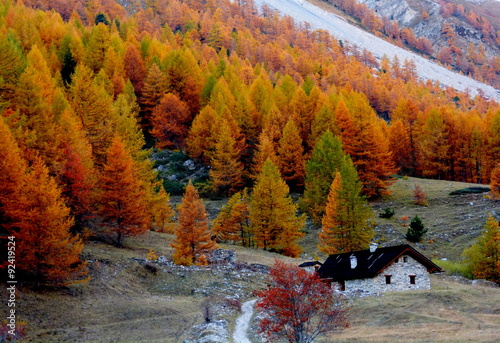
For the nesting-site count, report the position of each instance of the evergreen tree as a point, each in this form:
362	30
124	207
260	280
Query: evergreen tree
193	237
320	171
416	230
123	200
273	214
483	257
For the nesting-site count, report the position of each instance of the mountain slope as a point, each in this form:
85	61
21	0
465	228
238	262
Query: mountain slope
303	11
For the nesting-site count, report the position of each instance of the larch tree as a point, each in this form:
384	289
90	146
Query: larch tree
227	170
433	147
122	199
329	236
98	43
94	108
291	156
193	237
162	212
171	120
12	65
483	257
346	225
200	142
265	150
232	224
495	182
399	143
325	161
12	170
45	248
134	68
273	215
154	88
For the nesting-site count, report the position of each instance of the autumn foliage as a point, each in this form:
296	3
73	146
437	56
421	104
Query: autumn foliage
299	307
123	202
193	237
483	257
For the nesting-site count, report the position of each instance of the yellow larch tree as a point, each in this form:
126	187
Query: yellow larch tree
273	215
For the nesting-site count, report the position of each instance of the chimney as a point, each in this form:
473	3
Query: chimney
354	261
373	247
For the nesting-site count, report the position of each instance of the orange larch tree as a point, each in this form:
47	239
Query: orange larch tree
45	250
12	172
171	120
495	182
193	237
328	236
291	156
122	199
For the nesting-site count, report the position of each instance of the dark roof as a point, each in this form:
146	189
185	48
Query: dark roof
310	264
338	267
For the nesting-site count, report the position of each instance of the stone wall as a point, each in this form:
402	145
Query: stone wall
400	278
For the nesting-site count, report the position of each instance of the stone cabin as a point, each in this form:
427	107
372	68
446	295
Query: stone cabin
396	268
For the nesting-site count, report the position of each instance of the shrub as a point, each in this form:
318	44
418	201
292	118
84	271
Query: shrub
416	230
470	190
455	268
173	187
419	196
386	213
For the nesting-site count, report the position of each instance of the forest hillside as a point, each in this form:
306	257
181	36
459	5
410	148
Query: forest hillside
137	130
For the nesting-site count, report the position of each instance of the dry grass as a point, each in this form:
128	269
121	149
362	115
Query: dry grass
454	222
450	312
123	302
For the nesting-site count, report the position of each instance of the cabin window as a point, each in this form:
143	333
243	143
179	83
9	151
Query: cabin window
412	279
396	260
388	279
405	259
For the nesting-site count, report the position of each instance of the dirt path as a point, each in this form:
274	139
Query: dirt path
243	322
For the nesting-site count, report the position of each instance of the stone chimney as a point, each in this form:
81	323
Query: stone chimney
373	247
354	262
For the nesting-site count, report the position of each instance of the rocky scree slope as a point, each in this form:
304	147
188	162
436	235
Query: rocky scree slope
302	11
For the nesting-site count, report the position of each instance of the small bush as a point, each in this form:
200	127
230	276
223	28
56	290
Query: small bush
416	230
419	196
387	213
470	190
173	187
455	268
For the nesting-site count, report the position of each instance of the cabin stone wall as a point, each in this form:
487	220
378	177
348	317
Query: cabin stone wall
400	280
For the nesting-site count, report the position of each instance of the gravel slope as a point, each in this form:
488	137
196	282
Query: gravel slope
303	11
